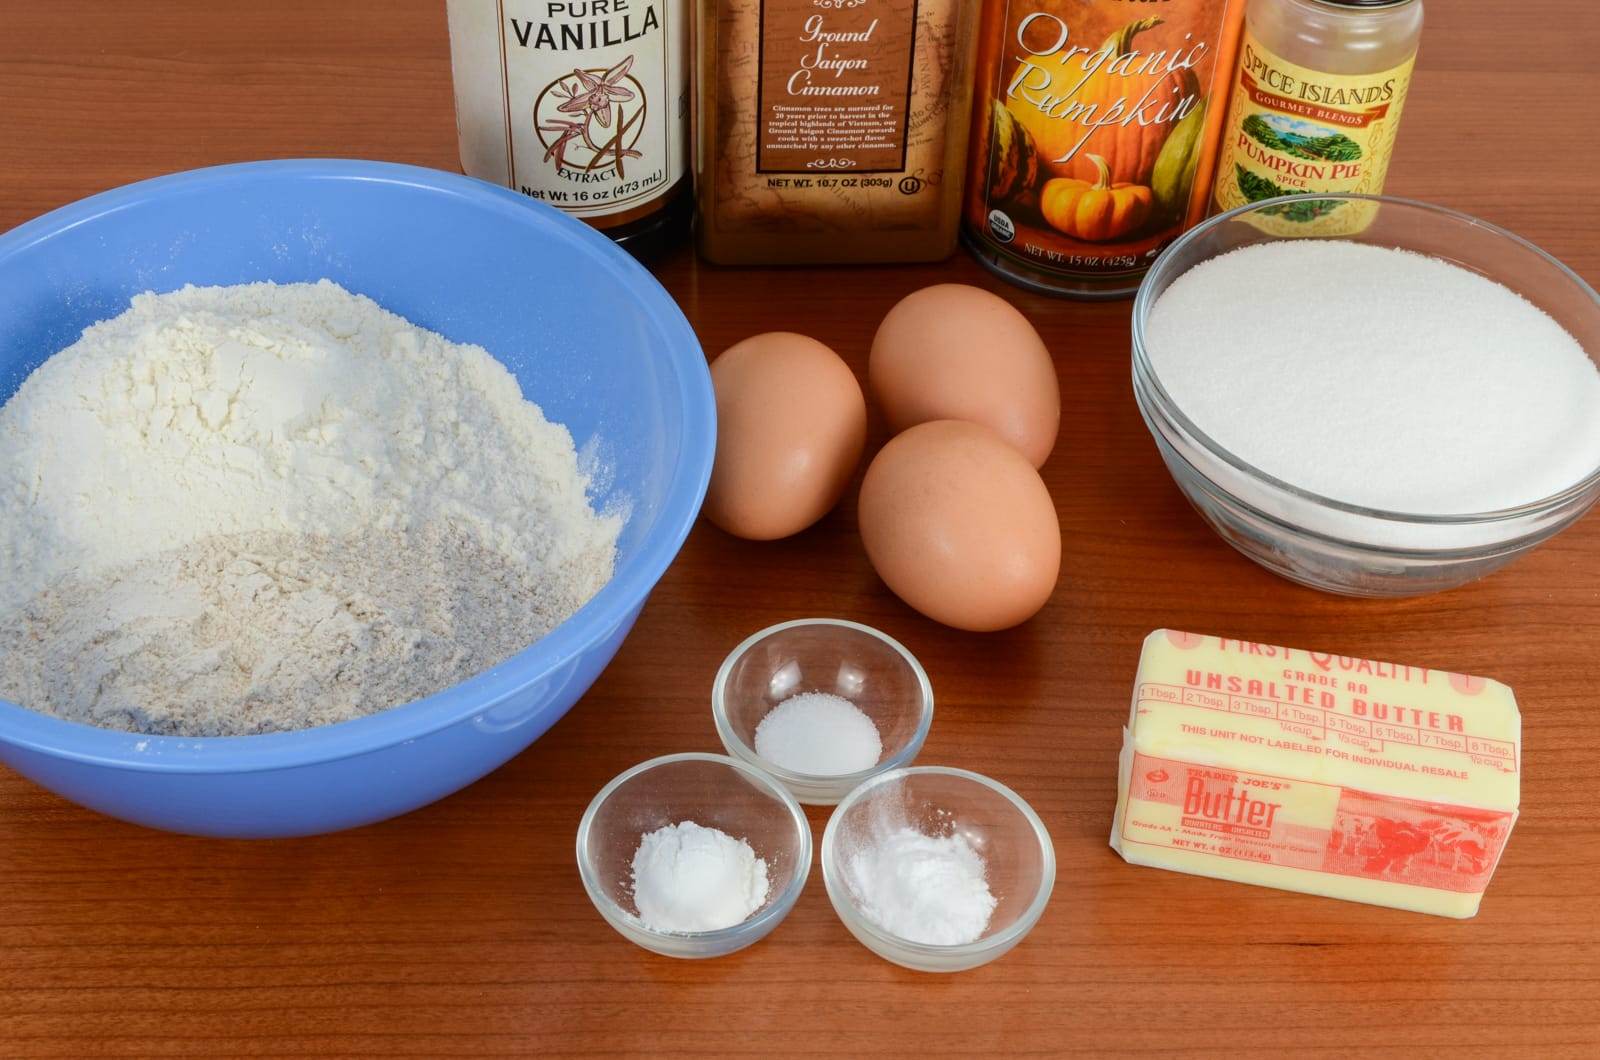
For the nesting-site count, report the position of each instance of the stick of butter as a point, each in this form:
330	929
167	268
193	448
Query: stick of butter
1368	781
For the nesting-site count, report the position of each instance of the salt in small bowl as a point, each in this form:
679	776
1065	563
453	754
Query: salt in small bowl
868	667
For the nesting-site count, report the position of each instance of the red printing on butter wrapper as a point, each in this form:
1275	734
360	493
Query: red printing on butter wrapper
1233	814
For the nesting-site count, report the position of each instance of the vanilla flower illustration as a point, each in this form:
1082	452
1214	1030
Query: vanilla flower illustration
596	94
566	132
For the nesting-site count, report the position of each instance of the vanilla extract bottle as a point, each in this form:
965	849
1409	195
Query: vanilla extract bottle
582	105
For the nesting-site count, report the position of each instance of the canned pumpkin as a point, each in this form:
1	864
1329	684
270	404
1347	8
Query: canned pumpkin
1094	135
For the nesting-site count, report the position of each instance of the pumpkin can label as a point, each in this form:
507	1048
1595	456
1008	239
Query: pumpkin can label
1094	131
1295	131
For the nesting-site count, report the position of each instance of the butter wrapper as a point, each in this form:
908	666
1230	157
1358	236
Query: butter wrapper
1308	771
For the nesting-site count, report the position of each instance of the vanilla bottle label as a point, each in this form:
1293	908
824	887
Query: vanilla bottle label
1296	131
582	104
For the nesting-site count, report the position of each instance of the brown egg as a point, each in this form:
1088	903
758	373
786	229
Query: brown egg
791	421
961	526
954	352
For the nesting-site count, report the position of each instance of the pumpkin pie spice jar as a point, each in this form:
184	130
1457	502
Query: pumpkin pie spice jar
1095	133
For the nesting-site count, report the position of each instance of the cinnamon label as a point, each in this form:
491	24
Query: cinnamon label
835	85
832	116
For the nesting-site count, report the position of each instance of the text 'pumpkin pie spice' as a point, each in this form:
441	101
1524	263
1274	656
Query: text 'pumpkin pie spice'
1315	107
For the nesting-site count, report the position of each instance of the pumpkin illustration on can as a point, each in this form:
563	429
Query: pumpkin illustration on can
1094	136
1095	210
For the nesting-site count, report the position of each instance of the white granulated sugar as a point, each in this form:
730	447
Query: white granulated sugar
819	734
239	509
928	889
1378	377
690	878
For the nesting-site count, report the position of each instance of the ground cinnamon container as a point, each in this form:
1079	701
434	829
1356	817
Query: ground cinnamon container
1095	128
831	130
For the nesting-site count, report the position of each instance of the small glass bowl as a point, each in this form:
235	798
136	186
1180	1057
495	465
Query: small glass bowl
869	668
1327	544
937	800
713	791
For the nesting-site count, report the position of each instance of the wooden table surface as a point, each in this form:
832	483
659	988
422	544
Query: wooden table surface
462	929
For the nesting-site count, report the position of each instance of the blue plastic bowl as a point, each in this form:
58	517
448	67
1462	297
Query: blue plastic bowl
590	336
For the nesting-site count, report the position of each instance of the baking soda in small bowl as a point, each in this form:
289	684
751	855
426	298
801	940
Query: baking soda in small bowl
687	877
694	855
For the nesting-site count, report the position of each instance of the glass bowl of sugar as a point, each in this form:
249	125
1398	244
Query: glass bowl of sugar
694	855
937	869
1369	395
822	705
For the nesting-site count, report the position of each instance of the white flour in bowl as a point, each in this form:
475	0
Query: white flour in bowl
255	508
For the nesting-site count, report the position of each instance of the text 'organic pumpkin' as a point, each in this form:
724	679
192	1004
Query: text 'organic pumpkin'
1126	99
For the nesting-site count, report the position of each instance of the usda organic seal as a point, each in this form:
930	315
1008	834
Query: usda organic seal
1001	227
